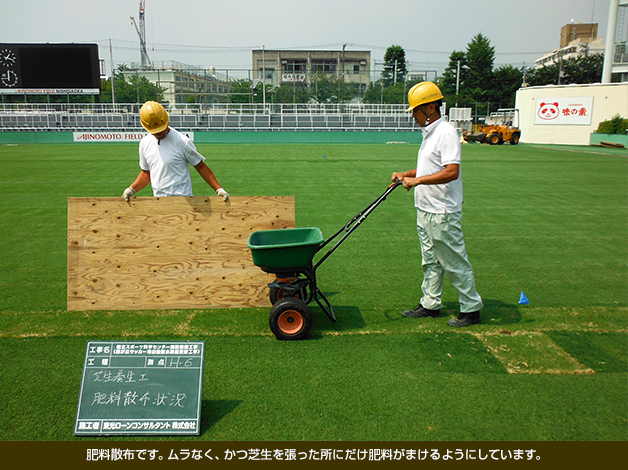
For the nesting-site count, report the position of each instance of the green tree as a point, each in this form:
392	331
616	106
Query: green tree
377	93
394	65
247	91
137	89
449	80
241	91
480	56
508	80
295	92
327	88
587	69
374	93
544	75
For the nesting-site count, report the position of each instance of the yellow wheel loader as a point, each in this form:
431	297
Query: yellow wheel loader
500	127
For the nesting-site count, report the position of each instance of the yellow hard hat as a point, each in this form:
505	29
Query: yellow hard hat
154	117
423	93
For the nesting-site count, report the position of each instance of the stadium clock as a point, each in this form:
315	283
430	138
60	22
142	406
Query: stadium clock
9	78
7	58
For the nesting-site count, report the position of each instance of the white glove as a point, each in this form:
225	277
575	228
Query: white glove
128	193
223	193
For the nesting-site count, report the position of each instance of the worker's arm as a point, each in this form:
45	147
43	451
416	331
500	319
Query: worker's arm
404	174
140	182
208	175
447	174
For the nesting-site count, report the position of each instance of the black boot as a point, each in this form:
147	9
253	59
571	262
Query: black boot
420	311
465	319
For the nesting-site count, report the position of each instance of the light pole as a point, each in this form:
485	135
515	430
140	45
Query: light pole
457	82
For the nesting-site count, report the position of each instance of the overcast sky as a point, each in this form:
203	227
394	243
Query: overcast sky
223	33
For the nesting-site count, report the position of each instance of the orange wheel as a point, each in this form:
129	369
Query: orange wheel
290	322
277	293
290	319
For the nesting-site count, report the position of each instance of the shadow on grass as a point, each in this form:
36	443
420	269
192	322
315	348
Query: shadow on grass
497	312
494	312
347	318
213	411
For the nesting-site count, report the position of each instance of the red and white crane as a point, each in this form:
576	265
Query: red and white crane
141	32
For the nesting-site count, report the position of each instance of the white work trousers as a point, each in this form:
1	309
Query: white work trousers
443	252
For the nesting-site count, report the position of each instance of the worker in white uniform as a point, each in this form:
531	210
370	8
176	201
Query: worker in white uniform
437	183
165	158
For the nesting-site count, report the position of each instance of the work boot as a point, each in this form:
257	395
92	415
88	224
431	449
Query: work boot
420	311
465	319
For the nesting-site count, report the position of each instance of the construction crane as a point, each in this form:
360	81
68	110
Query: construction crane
141	32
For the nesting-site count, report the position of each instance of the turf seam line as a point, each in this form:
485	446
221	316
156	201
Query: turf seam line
579	151
185	327
514	359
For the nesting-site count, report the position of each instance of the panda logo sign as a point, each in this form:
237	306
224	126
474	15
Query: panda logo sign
565	111
548	111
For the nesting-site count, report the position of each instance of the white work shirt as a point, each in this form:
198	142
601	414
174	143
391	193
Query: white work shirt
440	147
168	161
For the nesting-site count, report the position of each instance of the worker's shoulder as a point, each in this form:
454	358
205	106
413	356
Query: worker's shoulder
179	137
446	126
443	128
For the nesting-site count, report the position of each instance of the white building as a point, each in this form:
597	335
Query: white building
574	50
275	67
616	53
568	114
184	83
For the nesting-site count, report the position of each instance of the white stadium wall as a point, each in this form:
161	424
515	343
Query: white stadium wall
568	114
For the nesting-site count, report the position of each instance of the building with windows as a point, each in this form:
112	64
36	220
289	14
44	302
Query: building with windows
616	54
276	67
576	40
575	49
585	32
184	83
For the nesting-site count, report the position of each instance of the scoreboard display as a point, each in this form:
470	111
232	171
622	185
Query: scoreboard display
49	69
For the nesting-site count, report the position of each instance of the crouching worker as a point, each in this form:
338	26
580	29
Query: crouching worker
165	158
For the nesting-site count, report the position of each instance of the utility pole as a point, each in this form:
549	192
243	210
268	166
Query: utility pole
457	82
395	75
113	87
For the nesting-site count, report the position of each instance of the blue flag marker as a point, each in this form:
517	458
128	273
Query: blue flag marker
523	300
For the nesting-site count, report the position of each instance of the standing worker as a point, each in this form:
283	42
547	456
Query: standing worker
437	183
165	156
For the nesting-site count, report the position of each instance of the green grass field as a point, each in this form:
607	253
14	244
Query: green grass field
549	221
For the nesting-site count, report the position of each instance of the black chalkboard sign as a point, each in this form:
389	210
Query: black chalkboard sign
142	388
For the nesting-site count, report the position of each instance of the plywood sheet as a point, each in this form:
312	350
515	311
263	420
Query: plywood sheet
169	253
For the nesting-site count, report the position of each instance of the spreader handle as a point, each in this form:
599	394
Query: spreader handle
396	183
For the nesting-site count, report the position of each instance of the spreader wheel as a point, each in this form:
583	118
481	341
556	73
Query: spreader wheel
277	293
290	319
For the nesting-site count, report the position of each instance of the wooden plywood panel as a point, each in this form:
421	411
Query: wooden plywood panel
163	253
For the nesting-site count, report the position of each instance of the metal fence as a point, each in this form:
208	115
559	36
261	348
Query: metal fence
199	117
